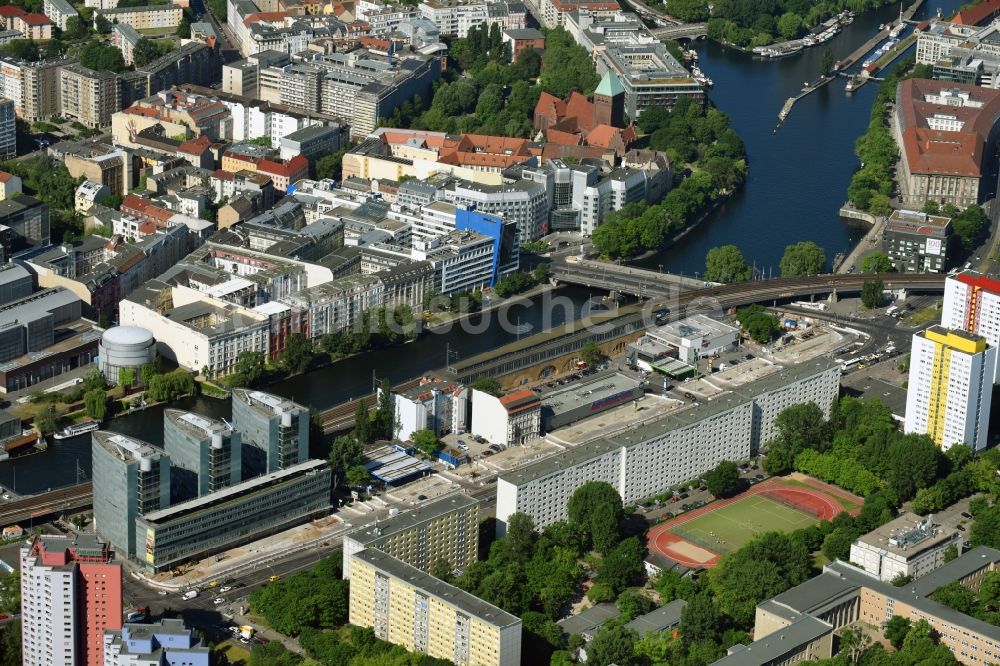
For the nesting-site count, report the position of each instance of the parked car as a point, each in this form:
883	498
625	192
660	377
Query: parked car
966	514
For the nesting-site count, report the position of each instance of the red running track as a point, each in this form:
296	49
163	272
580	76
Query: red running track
809	500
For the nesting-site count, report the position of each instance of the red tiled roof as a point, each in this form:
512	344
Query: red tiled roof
978	13
5	176
36	19
224	175
195	146
550	105
135	203
945	152
518	401
265	16
288	169
10	11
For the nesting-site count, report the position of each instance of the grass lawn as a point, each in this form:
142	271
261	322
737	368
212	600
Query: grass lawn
157	32
924	317
235	654
727	529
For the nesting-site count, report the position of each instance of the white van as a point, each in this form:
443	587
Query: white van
190	594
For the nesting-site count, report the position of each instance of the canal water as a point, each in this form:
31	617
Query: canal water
347	379
798	176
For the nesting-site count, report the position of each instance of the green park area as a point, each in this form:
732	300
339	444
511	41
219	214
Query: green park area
727	529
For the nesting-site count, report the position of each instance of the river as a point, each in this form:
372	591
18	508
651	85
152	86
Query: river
798	176
798	180
322	388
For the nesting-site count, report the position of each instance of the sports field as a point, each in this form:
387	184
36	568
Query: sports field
698	538
728	528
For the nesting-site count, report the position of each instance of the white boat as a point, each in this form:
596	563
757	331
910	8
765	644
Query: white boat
77	429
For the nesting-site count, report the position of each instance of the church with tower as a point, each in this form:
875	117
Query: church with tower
582	126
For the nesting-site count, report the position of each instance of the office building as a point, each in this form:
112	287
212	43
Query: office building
275	431
508	420
972	304
358	87
910	545
88	96
454	18
649	75
205	454
944	131
127	348
435	405
799	623
195	330
555	12
233	516
71	593
28	220
165	643
650	458
686	340
130	478
442	529
313	142
917	242
950	387
8	129
563	405
408	607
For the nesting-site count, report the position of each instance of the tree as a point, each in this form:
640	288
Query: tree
759	325
591	353
345	453
273	654
854	642
877	262
95	403
595	508
426	442
950	553
488	385
826	64
969	226
896	629
872	293
790	25
700	619
519	542
623	565
331	165
363	431
357	476
804	426
632	604
145	52
442	570
46	421
724	479
126	377
102	58
803	258
385	423
147	372
298	354
613	644
248	370
726	265
10	644
767	565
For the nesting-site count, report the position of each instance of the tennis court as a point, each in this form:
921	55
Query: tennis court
727	528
